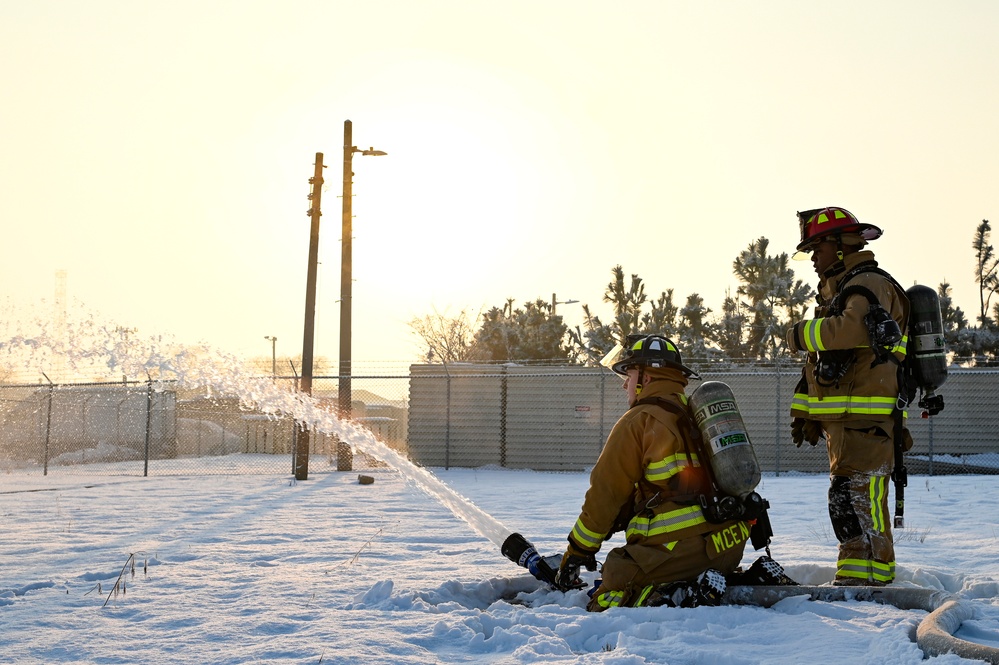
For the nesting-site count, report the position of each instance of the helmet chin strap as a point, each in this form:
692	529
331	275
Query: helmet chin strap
643	379
639	384
837	267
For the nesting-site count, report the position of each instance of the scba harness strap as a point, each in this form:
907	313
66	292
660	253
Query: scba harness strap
885	335
716	506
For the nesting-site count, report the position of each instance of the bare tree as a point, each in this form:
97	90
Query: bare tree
444	338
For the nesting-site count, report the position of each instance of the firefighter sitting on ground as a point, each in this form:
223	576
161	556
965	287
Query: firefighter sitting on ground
646	482
849	387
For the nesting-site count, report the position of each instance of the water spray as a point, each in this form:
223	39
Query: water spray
91	348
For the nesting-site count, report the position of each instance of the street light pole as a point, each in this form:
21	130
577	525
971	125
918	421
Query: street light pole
555	301
344	456
273	354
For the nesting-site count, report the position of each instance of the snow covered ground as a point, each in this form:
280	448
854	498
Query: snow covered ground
248	569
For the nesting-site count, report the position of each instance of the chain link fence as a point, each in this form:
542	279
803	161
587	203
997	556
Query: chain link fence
513	416
142	428
557	419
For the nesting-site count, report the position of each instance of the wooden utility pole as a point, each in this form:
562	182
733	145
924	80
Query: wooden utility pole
305	385
345	456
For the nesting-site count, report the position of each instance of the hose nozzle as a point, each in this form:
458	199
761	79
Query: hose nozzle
517	549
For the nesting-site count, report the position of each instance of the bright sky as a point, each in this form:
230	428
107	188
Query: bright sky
159	153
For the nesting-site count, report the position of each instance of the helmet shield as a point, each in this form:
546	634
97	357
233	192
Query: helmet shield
612	356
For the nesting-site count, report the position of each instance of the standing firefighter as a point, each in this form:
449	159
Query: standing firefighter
647	482
849	392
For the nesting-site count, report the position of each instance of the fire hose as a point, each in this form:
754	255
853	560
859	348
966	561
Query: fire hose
934	635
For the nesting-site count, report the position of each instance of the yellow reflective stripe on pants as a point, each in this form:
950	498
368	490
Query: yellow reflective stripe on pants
640	601
878	491
866	569
610	599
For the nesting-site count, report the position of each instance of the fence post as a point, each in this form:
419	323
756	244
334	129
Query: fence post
48	426
603	406
503	396
149	415
447	420
930	425
294	427
777	422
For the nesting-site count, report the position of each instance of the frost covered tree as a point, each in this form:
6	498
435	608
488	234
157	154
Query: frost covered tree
955	325
952	317
662	318
689	326
530	333
695	332
627	301
732	328
773	297
986	272
976	345
593	343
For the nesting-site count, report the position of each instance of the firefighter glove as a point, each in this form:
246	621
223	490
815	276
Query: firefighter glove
574	558
803	429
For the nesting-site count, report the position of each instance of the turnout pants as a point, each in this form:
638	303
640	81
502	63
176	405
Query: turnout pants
629	571
861	455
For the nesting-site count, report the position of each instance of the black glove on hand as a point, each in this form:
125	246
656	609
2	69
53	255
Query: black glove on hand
574	558
803	429
797	431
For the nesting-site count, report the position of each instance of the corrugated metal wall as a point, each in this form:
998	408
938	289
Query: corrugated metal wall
576	416
557	418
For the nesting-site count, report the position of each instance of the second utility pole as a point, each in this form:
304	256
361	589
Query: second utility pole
344	455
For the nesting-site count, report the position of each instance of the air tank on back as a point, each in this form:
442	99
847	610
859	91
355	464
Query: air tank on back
927	350
732	458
